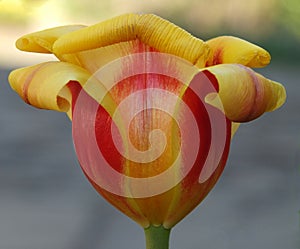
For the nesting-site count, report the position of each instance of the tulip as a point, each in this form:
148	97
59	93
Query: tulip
153	109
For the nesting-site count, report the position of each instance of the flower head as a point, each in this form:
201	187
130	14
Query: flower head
153	108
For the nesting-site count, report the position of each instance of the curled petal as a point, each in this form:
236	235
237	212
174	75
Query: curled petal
44	85
43	41
159	34
229	49
245	95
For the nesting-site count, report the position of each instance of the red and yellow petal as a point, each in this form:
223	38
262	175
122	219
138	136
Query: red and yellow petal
246	95
44	85
229	49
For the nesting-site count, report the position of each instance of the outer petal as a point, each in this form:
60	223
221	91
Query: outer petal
44	85
229	49
151	30
245	95
42	41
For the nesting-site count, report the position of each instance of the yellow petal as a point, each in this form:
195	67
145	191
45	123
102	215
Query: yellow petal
168	38
42	41
115	30
229	49
159	34
246	95
43	85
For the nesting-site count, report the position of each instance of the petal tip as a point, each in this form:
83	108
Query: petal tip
261	59
280	96
22	43
230	49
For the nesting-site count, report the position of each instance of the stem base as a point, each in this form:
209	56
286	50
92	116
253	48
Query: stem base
157	237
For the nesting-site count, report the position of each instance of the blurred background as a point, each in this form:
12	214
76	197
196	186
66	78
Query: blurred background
45	200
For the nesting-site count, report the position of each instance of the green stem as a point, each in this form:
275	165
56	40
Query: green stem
157	237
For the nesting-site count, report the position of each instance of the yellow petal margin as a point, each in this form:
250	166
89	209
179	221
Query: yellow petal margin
229	49
246	95
43	85
150	29
42	41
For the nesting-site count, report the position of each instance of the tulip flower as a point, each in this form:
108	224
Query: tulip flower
153	109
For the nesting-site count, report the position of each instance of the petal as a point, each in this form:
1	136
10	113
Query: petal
115	30
246	95
168	38
151	30
44	85
42	41
229	49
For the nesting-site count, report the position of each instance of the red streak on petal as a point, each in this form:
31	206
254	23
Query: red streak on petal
217	57
197	106
141	47
257	106
212	78
75	88
105	141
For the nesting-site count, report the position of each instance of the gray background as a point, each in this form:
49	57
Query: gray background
46	202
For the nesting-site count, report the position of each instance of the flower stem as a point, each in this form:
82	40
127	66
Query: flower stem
157	237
